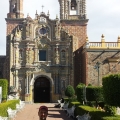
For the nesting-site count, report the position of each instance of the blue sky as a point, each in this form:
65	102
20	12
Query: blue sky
103	15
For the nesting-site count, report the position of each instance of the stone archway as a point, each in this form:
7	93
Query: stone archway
42	90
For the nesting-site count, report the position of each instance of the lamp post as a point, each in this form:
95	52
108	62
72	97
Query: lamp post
97	66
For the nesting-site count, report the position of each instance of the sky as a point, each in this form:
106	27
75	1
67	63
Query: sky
103	15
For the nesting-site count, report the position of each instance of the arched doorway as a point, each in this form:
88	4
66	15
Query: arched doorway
42	90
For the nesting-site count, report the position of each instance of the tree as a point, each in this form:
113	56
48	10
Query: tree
69	91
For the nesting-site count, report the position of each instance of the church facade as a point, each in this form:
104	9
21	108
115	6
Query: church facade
40	51
43	56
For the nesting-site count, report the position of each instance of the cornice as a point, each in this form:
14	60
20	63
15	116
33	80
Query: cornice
15	19
74	22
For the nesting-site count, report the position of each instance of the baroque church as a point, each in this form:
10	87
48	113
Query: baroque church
43	56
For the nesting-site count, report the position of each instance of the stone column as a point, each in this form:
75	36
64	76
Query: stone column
16	79
27	53
57	57
78	7
36	54
27	83
16	54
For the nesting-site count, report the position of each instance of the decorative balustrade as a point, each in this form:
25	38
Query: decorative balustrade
95	44
102	45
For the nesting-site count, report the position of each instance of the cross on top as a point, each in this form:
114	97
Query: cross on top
42	8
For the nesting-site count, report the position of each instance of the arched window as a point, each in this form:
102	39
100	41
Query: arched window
73	5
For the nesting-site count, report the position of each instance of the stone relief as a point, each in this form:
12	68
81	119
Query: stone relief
42	68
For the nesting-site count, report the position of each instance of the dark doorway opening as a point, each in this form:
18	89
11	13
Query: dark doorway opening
42	90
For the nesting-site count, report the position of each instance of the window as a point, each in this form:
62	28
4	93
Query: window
43	31
73	5
42	55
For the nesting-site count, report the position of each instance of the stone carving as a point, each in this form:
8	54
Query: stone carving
42	68
57	57
27	29
11	36
18	33
57	30
83	17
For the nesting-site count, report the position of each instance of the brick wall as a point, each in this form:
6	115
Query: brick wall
106	66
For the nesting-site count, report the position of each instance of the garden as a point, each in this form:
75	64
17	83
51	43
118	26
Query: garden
100	102
8	107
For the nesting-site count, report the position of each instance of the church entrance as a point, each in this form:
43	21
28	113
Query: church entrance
42	90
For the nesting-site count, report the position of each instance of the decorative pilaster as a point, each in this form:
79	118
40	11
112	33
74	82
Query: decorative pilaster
36	53
84	6
62	11
57	57
16	79
27	83
16	51
27	54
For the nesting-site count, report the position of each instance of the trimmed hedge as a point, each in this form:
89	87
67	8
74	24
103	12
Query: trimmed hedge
74	103
4	106
4	84
69	91
116	117
94	93
111	89
79	92
94	113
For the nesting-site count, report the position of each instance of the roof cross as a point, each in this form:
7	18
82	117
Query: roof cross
42	7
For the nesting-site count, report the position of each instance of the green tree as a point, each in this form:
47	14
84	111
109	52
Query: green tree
69	91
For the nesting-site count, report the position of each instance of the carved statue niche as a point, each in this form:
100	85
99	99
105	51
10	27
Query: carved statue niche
28	27
18	33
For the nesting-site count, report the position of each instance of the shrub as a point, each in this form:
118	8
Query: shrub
111	110
93	112
69	91
4	107
4	84
79	92
94	93
111	89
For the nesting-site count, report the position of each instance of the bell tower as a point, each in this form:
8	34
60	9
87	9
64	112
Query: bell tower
15	17
74	22
74	8
15	9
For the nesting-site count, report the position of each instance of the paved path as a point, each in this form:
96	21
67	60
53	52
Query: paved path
30	112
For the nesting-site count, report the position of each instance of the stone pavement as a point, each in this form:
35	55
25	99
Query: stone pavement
30	112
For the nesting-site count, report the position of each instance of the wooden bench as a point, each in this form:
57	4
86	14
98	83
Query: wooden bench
70	111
